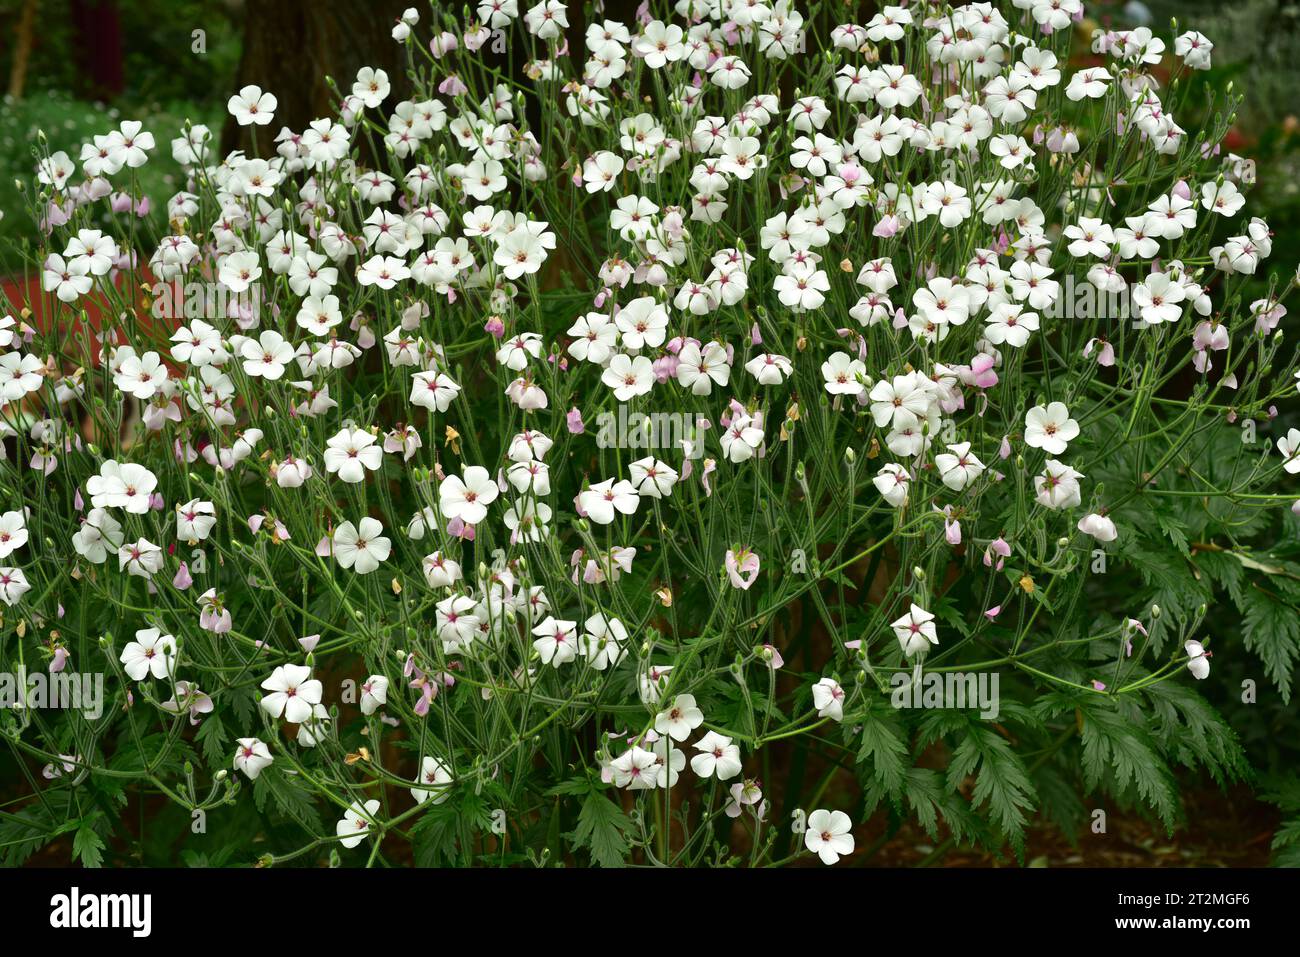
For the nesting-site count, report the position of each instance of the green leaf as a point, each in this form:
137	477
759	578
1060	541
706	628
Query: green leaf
1170	581
24	833
213	738
1121	752
1192	732
884	744
288	798
87	845
601	824
1002	782
1271	628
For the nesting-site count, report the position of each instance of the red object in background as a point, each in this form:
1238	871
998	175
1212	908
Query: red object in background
1235	141
17	292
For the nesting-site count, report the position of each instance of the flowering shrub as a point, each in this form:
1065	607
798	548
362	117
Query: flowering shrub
609	472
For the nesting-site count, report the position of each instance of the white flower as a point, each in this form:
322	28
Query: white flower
19	375
741	439
141	558
520	253
669	761
1199	660
469	498
679	719
595	336
151	654
651	478
267	355
433	390
126	485
602	500
915	630
294	693
642	322
371	86
1289	448
99	534
141	376
374	694
361	547
435	778
251	106
802	287
1099	527
1195	49
13	533
628	376
547	20
67	280
195	520
718	756
1050	428
698	369
350	453
239	271
354	827
600	171
440	571
1223	198
769	368
1058	486
828	699
891	482
252	757
958	467
557	641
602	641
1159	298
1010	324
635	769
659	44
13	585
844	375
383	271
829	835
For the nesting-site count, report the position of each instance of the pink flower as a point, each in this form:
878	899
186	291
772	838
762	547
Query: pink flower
709	466
952	531
182	581
1001	549
214	617
742	567
982	373
452	86
574	421
887	227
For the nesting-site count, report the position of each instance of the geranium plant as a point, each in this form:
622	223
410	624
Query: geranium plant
619	450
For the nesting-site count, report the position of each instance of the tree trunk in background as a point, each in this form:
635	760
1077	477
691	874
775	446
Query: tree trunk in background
22	49
290	46
98	30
